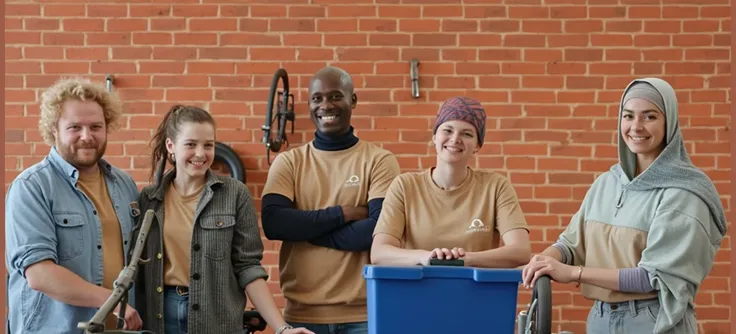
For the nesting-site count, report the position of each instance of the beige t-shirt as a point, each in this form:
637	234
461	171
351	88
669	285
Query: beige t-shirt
177	234
95	187
325	285
472	216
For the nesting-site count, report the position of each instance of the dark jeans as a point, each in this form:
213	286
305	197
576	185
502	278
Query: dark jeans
176	311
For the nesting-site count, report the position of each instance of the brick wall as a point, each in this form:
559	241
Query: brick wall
549	75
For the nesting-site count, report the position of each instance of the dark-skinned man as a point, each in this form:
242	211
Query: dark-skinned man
323	200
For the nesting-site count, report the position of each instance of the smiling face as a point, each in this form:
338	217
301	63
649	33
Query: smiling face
643	128
331	102
81	133
455	141
193	148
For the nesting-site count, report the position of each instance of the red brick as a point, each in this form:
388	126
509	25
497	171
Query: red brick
527	12
346	39
189	10
351	11
530	81
549	73
234	10
407	11
107	10
443	11
20	9
150	10
416	25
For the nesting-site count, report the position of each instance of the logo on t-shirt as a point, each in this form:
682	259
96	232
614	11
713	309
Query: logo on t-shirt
477	226
353	181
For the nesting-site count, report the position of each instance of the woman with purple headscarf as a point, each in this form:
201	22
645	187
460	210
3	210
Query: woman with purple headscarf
452	211
647	231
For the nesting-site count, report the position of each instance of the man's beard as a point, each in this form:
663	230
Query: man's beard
74	157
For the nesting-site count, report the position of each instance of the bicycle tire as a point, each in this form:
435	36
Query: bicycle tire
280	75
543	313
227	155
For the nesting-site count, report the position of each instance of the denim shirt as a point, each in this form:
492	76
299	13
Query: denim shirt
48	218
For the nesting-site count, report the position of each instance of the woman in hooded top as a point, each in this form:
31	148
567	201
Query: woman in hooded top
647	231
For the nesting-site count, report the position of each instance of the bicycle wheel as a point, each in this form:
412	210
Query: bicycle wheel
227	155
542	313
274	111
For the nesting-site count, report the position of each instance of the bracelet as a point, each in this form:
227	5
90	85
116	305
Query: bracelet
283	328
580	275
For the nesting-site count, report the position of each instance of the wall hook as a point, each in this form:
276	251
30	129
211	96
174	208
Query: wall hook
109	80
415	78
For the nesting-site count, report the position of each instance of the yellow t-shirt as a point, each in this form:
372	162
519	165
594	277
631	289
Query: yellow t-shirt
324	285
113	260
177	234
472	216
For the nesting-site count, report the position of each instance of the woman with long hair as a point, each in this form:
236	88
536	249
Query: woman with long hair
204	247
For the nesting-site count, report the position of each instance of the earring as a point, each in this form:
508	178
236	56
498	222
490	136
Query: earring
172	157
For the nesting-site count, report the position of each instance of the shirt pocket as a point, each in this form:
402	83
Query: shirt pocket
69	235
217	236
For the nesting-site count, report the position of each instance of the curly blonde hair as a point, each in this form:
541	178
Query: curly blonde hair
80	89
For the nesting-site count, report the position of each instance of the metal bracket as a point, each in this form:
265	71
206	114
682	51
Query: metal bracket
109	80
415	78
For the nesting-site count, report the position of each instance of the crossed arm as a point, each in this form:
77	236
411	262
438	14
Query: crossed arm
329	227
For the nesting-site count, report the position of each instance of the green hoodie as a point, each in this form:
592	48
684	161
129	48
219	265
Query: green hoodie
668	220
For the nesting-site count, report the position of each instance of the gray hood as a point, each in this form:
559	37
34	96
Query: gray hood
672	168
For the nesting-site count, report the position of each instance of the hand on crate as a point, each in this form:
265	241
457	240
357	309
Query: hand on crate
541	265
442	254
448	254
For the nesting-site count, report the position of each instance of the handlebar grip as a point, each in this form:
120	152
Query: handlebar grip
454	262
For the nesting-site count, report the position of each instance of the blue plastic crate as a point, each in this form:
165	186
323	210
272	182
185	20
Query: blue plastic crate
441	299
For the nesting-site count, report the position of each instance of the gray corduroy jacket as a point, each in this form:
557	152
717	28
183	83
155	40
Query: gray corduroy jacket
226	255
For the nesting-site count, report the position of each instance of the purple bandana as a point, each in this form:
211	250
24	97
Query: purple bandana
463	109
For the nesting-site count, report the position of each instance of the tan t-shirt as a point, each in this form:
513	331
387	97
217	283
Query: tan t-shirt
472	216
95	187
177	234
324	285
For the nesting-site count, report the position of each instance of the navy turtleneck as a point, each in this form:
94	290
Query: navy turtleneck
322	227
325	142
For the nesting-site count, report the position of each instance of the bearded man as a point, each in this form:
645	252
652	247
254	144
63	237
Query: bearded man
68	217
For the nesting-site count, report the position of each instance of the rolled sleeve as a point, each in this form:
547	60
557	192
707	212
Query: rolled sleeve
251	274
30	234
247	244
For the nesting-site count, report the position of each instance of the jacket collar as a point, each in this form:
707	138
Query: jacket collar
72	172
160	187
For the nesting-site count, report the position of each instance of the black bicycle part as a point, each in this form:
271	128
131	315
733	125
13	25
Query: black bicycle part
248	321
284	113
454	262
542	313
227	155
